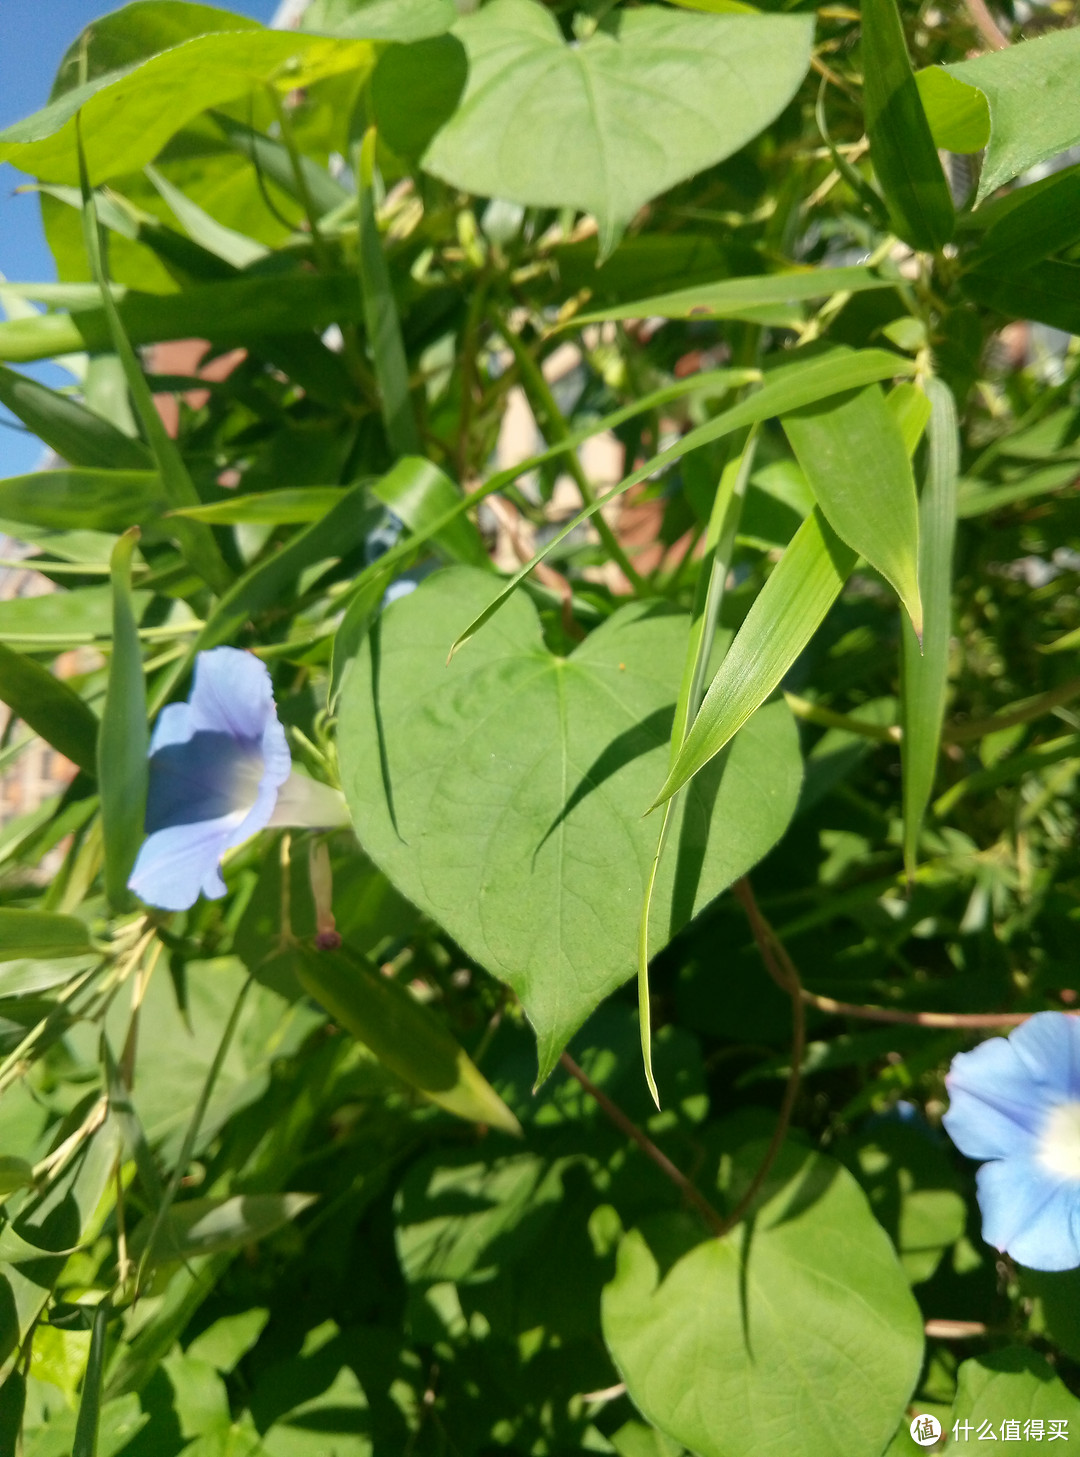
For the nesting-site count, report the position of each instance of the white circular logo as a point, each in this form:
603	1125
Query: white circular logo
925	1430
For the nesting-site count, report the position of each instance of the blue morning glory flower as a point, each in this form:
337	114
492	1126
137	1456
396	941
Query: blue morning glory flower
1015	1102
220	771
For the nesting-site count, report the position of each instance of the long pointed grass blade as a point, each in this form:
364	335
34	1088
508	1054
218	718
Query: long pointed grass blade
123	740
786	613
196	539
719	547
924	675
86	1427
381	313
789	387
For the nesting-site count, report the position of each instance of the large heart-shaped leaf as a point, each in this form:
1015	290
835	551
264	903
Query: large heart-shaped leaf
794	1336
504	793
681	92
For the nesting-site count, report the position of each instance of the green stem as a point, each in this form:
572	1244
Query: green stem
288	136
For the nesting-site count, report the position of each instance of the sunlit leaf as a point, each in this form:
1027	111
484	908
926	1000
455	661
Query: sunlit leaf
50	707
856	461
925	665
652	78
402	1034
723	1344
803	586
512	784
123	740
901	147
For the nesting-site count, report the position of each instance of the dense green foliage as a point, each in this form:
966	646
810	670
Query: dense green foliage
362	1157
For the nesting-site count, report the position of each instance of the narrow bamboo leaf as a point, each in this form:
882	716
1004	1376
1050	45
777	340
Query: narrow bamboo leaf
131	1130
355	626
975	497
195	539
910	408
381	313
12	1407
803	586
958	114
184	259
901	146
732	297
226	243
405	1036
77	434
86	1427
1020	134
131	112
210	1226
867	195
1054	751
288	507
50	707
1050	293
786	388
148	1230
40	934
93	499
341	530
1043	219
232	311
123	741
272	160
854	457
708	600
15	1173
709	383
925	672
421	495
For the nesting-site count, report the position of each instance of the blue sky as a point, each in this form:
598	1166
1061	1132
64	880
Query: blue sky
33	36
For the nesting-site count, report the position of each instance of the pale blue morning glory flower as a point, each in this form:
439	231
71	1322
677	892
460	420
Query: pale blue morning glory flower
220	771
1015	1102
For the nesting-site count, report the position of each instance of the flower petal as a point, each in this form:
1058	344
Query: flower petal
175	864
1048	1044
208	776
1030	1214
996	1105
304	801
173	726
232	694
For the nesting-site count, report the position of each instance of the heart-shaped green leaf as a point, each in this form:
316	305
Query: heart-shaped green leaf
504	793
769	1342
681	92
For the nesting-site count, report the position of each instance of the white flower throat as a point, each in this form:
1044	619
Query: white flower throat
1059	1143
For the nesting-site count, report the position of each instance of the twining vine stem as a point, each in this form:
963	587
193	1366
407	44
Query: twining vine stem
626	1125
782	969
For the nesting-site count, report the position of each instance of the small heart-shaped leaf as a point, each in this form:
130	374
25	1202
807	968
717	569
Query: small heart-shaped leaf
681	92
504	793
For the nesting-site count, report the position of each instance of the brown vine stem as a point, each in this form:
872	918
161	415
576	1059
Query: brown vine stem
627	1126
915	1019
955	1330
986	25
782	970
